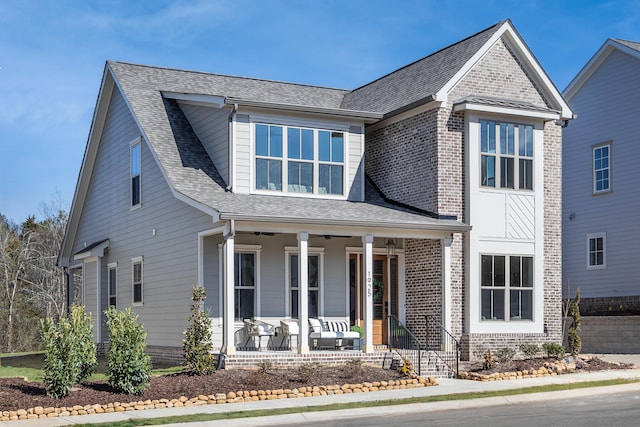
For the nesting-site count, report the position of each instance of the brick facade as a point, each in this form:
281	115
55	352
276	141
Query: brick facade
420	161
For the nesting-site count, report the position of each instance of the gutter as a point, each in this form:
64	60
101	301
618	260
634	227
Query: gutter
441	225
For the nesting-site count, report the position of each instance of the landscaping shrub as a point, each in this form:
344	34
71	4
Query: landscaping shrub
573	337
406	368
265	366
70	354
352	368
488	360
83	347
197	343
58	372
554	349
128	366
529	350
505	354
308	371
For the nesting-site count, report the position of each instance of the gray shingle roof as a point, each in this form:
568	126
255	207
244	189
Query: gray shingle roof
507	103
632	45
191	172
419	80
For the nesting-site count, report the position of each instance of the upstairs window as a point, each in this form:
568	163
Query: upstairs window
506	155
269	157
299	160
601	169
135	174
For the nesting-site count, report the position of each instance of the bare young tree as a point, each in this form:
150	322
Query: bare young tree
14	258
46	285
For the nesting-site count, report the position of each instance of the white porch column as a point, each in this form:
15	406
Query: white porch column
303	292
367	249
228	285
446	283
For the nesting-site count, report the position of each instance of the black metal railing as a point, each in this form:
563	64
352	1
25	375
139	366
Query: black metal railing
443	344
404	342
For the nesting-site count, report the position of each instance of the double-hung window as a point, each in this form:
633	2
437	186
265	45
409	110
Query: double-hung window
314	266
135	173
269	157
300	153
506	155
245	285
137	278
601	169
506	287
331	156
113	283
299	160
596	251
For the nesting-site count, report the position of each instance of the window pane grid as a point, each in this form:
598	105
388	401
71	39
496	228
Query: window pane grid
494	289
601	169
313	266
313	158
513	145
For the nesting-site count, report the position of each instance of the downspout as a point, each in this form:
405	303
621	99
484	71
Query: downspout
232	176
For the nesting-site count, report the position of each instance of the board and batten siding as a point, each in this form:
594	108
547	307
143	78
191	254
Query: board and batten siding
211	125
606	106
164	231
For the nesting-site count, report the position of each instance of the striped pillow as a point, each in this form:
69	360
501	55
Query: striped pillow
338	326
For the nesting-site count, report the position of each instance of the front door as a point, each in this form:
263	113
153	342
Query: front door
385	293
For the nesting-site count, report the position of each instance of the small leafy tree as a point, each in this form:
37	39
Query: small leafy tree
82	347
573	336
197	343
128	366
70	354
59	372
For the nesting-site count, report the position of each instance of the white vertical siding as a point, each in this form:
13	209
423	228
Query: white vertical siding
607	110
212	128
355	162
243	154
90	294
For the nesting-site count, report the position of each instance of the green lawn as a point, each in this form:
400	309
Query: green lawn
30	365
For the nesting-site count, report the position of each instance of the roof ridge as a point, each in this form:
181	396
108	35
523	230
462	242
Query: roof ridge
497	24
226	75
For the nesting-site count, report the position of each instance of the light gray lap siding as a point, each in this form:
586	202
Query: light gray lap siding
606	107
212	127
170	266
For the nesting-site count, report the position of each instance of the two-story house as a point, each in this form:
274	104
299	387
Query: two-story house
600	242
432	191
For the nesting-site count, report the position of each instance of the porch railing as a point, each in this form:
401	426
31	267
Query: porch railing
443	344
404	342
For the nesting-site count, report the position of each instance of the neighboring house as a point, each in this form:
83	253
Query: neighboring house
601	242
432	191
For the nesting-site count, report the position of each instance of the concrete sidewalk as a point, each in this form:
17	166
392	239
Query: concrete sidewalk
446	386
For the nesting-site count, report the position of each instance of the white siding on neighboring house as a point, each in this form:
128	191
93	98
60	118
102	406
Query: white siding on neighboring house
211	125
607	110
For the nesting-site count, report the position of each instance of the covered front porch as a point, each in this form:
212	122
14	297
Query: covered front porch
263	278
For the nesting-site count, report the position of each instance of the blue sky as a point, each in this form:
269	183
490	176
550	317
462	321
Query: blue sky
52	56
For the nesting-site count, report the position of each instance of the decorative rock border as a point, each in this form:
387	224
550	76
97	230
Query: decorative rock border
549	369
219	398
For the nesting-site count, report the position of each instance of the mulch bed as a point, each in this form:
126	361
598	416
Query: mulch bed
582	365
17	393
